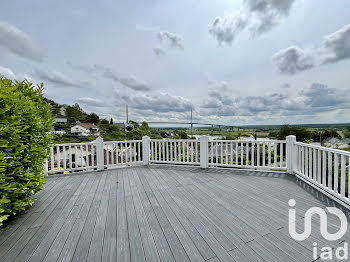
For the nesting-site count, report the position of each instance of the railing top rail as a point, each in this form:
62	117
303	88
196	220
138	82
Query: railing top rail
75	144
125	141
174	140
342	152
250	141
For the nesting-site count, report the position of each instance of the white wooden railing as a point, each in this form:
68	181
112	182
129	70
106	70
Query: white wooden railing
174	151
324	167
248	154
120	153
73	157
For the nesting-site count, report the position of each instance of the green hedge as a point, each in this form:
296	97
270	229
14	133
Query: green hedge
25	120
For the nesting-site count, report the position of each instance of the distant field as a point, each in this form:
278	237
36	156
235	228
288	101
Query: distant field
226	133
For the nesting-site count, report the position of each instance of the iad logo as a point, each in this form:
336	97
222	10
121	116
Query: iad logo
323	222
326	252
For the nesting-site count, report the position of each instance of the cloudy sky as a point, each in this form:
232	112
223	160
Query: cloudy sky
233	62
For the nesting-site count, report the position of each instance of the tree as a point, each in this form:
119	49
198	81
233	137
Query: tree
302	134
26	120
111	121
136	125
104	122
92	118
183	135
144	128
75	113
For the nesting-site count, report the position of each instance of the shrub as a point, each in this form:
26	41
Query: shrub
25	120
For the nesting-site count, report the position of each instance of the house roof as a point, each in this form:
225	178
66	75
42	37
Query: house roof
332	140
346	140
88	125
60	116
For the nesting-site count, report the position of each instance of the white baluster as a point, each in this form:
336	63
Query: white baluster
336	173
342	175
330	171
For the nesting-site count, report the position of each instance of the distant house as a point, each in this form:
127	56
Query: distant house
61	119
125	126
85	129
62	111
337	143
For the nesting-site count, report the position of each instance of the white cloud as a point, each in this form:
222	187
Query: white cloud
259	16
94	102
18	42
173	40
156	102
58	78
158	51
335	48
337	45
314	99
293	60
7	72
225	29
130	81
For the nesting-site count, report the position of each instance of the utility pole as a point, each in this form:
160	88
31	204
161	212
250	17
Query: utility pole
191	124
127	115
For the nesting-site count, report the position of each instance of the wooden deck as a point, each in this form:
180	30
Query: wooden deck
163	213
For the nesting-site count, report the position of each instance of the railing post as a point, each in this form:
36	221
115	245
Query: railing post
145	150
203	142
99	153
290	153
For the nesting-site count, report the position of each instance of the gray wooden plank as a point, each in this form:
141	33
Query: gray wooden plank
67	214
163	248
173	240
16	239
74	236
149	246
56	247
214	259
177	225
213	213
123	249
290	248
110	237
25	220
187	211
136	245
245	253
96	244
202	228
82	249
190	248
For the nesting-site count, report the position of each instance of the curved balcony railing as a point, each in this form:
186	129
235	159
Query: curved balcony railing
324	168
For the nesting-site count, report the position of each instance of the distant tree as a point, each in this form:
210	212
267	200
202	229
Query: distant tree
144	128
183	135
104	122
111	121
92	118
347	133
75	113
136	125
302	134
145	125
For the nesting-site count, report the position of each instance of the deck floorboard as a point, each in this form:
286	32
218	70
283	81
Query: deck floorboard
166	213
